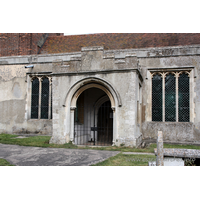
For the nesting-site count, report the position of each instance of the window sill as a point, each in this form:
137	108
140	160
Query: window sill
168	122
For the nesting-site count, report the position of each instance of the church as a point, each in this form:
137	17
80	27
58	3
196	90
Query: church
101	89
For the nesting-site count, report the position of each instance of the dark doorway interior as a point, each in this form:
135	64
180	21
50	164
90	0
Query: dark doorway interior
93	122
105	123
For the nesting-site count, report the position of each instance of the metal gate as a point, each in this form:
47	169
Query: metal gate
93	125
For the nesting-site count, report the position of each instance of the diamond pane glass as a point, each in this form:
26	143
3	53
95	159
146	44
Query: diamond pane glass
183	98
35	99
45	99
157	98
170	98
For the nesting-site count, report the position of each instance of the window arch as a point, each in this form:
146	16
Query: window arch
41	98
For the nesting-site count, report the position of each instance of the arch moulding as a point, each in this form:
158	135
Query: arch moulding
87	83
75	91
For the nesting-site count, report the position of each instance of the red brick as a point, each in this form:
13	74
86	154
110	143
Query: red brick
13	44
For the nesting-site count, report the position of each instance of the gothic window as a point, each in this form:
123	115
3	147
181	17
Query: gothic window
183	98
35	99
45	98
170	96
157	98
41	98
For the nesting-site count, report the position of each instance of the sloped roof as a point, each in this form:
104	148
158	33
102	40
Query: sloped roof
74	43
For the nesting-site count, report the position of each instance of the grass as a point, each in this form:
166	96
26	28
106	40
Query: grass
127	160
43	141
36	141
180	146
4	162
118	160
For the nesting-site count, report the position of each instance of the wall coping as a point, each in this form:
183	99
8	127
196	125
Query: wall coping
150	52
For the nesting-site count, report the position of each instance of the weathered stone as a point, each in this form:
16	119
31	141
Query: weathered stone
180	153
143	145
160	157
125	76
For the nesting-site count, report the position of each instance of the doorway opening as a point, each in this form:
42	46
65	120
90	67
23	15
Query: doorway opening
93	118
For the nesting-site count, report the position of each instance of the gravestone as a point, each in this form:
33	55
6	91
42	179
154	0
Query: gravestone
160	157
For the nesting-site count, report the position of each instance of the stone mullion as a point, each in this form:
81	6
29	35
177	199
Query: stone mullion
40	92
31	96
50	90
163	89
191	95
177	75
150	116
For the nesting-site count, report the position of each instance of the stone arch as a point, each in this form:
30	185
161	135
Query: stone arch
92	85
98	104
87	83
75	91
100	101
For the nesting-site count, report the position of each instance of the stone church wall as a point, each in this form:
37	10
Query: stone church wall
127	71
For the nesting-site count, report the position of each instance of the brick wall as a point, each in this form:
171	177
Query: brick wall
12	44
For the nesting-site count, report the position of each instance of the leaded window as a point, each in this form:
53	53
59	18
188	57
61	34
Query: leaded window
41	98
183	98
35	99
45	99
170	96
157	98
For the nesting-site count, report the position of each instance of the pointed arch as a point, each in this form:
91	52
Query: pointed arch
87	83
76	90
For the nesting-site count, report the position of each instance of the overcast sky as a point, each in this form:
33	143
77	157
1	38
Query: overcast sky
84	17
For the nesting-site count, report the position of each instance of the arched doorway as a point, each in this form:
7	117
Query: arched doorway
93	118
72	96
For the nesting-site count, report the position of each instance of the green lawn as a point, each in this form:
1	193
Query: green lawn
43	141
127	160
4	162
36	141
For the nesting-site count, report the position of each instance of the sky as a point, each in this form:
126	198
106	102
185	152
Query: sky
84	17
